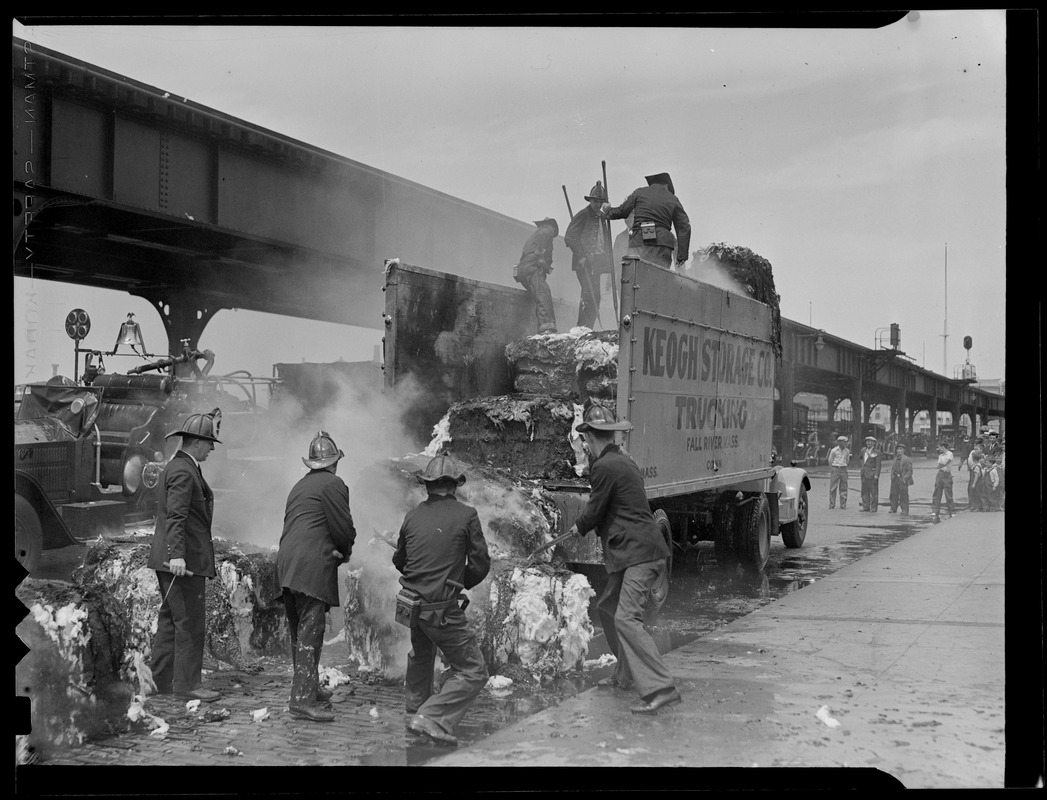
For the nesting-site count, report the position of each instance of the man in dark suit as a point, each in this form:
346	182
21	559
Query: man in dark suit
182	554
318	535
636	557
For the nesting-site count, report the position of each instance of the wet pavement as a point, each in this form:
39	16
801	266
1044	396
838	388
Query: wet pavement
704	608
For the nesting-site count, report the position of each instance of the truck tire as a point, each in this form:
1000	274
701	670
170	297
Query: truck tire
662	519
755	532
29	537
793	533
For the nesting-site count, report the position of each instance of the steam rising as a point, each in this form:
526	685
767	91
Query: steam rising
712	272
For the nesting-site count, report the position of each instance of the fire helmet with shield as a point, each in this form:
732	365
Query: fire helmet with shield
200	426
323	452
598	418
440	467
597	193
661	177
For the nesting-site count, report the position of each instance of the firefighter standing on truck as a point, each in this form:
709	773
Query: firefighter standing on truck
586	239
536	261
440	551
655	209
318	536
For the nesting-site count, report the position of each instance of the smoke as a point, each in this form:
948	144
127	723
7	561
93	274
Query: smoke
712	272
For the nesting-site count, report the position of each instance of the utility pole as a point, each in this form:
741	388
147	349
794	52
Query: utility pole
945	331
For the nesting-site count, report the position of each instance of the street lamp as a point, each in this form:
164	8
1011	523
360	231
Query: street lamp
819	339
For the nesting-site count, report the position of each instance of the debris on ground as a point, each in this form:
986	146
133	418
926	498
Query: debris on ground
824	716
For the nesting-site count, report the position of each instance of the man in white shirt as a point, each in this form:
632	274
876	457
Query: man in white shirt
839	458
942	483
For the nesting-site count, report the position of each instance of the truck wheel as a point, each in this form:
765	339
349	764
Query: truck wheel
755	531
723	534
28	535
793	533
662	519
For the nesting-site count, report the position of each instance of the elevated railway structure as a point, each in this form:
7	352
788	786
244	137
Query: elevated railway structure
120	185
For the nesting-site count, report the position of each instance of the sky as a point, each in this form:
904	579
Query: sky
867	165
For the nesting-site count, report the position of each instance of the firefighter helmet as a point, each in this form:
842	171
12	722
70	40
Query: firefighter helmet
323	452
597	193
661	177
547	221
442	466
598	418
200	426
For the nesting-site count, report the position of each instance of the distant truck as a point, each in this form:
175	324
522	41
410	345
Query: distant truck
695	377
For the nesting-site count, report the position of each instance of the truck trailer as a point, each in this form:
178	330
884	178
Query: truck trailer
696	370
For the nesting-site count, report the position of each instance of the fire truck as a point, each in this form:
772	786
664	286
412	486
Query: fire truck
695	377
89	451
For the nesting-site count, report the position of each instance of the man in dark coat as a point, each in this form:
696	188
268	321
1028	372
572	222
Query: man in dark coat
587	239
635	556
318	535
536	261
440	551
656	210
871	460
182	554
901	479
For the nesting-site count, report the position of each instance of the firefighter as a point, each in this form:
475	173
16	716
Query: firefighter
182	553
870	458
536	261
901	479
318	535
586	238
655	209
636	557
440	551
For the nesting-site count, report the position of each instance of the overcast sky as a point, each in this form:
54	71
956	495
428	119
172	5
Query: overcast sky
851	159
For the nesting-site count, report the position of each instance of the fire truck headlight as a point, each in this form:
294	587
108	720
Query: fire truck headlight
151	475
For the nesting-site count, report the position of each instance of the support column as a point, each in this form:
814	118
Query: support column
902	415
788	434
933	413
185	315
858	409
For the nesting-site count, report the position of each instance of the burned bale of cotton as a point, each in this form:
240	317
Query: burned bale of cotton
376	643
532	619
578	364
72	672
527	435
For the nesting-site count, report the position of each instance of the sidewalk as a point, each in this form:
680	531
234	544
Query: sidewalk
904	650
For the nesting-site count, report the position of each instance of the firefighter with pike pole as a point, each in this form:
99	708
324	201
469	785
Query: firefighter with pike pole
636	557
440	551
656	210
586	237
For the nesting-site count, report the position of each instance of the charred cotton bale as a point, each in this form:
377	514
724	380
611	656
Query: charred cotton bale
526	435
532	618
72	672
578	364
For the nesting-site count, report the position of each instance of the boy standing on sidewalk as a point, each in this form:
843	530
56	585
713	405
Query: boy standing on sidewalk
839	458
942	484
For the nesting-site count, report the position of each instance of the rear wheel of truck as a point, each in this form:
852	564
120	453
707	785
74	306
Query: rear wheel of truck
793	533
660	592
29	536
755	532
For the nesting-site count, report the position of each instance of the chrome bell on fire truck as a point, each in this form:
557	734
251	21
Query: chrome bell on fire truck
323	452
201	426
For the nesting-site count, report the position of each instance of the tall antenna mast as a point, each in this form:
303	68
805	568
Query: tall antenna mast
945	332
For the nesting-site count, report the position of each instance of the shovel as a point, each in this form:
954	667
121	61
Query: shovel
549	545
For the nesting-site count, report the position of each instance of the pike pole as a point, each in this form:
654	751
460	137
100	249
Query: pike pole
585	265
610	243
